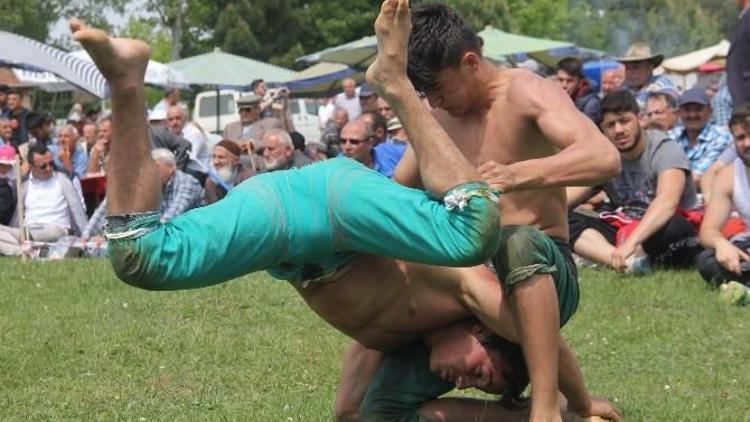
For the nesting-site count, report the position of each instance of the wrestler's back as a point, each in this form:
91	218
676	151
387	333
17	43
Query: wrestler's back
507	136
384	304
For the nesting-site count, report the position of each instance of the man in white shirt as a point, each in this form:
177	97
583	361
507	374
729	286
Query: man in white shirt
178	124
349	99
53	207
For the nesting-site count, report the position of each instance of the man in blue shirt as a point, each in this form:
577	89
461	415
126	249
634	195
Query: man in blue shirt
702	140
358	143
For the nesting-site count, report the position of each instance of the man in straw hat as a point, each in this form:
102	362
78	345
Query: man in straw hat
640	63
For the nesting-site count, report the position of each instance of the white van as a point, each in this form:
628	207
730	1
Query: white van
304	113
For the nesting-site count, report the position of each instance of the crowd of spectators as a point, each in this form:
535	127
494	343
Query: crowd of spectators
685	156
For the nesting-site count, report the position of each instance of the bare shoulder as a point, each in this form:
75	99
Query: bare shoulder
529	90
725	178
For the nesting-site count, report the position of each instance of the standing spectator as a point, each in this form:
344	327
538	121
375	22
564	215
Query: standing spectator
368	99
639	73
325	111
701	140
571	78
52	205
7	193
6	131
654	183
612	79
279	152
358	143
258	87
722	105
738	61
179	126
331	135
4	111
728	259
99	151
171	98
89	136
17	114
69	156
378	125
348	100
661	111
226	171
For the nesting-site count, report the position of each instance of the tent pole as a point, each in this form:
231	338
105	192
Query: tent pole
218	124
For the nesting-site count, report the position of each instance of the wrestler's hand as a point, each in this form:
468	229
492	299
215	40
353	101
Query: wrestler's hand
499	176
621	254
602	408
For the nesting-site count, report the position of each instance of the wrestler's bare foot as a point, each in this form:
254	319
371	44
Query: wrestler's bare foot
387	75
119	59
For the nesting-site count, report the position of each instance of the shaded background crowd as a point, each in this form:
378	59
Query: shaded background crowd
677	137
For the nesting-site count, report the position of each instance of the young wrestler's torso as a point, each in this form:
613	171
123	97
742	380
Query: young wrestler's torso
506	134
384	304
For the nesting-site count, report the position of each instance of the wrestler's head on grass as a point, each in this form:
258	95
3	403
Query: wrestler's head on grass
739	124
444	58
468	354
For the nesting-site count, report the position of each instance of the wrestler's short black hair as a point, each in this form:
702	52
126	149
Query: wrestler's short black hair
517	378
571	66
619	102
438	40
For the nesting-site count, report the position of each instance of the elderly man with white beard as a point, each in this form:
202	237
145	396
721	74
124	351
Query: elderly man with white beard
226	171
279	152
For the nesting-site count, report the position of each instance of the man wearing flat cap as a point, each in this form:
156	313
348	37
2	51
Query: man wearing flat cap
226	171
640	63
251	126
702	140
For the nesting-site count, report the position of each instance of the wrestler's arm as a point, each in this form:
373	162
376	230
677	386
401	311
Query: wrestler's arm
585	158
358	367
407	170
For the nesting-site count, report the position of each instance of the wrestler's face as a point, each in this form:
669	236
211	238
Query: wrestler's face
741	135
456	89
459	357
622	129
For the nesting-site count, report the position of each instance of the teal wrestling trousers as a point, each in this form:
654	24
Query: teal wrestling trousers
304	224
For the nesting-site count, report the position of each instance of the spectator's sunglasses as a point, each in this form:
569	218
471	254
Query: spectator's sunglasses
45	166
354	142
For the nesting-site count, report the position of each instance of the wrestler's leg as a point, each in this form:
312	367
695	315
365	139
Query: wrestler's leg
441	164
132	180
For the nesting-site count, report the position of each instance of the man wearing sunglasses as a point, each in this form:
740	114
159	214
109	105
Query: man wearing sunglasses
358	143
52	205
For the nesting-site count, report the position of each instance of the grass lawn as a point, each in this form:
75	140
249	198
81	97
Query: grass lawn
76	344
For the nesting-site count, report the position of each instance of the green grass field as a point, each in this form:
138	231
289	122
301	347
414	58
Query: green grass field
76	344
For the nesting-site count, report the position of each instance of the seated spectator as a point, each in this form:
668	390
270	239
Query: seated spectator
180	192
6	132
100	150
396	132
571	78
179	126
17	114
368	99
358	143
69	156
385	109
378	125
171	98
661	111
298	140
53	207
4	111
250	127
7	193
316	151
89	136
161	137
612	79
226	171
727	259
331	136
650	193
279	152
639	73
701	140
